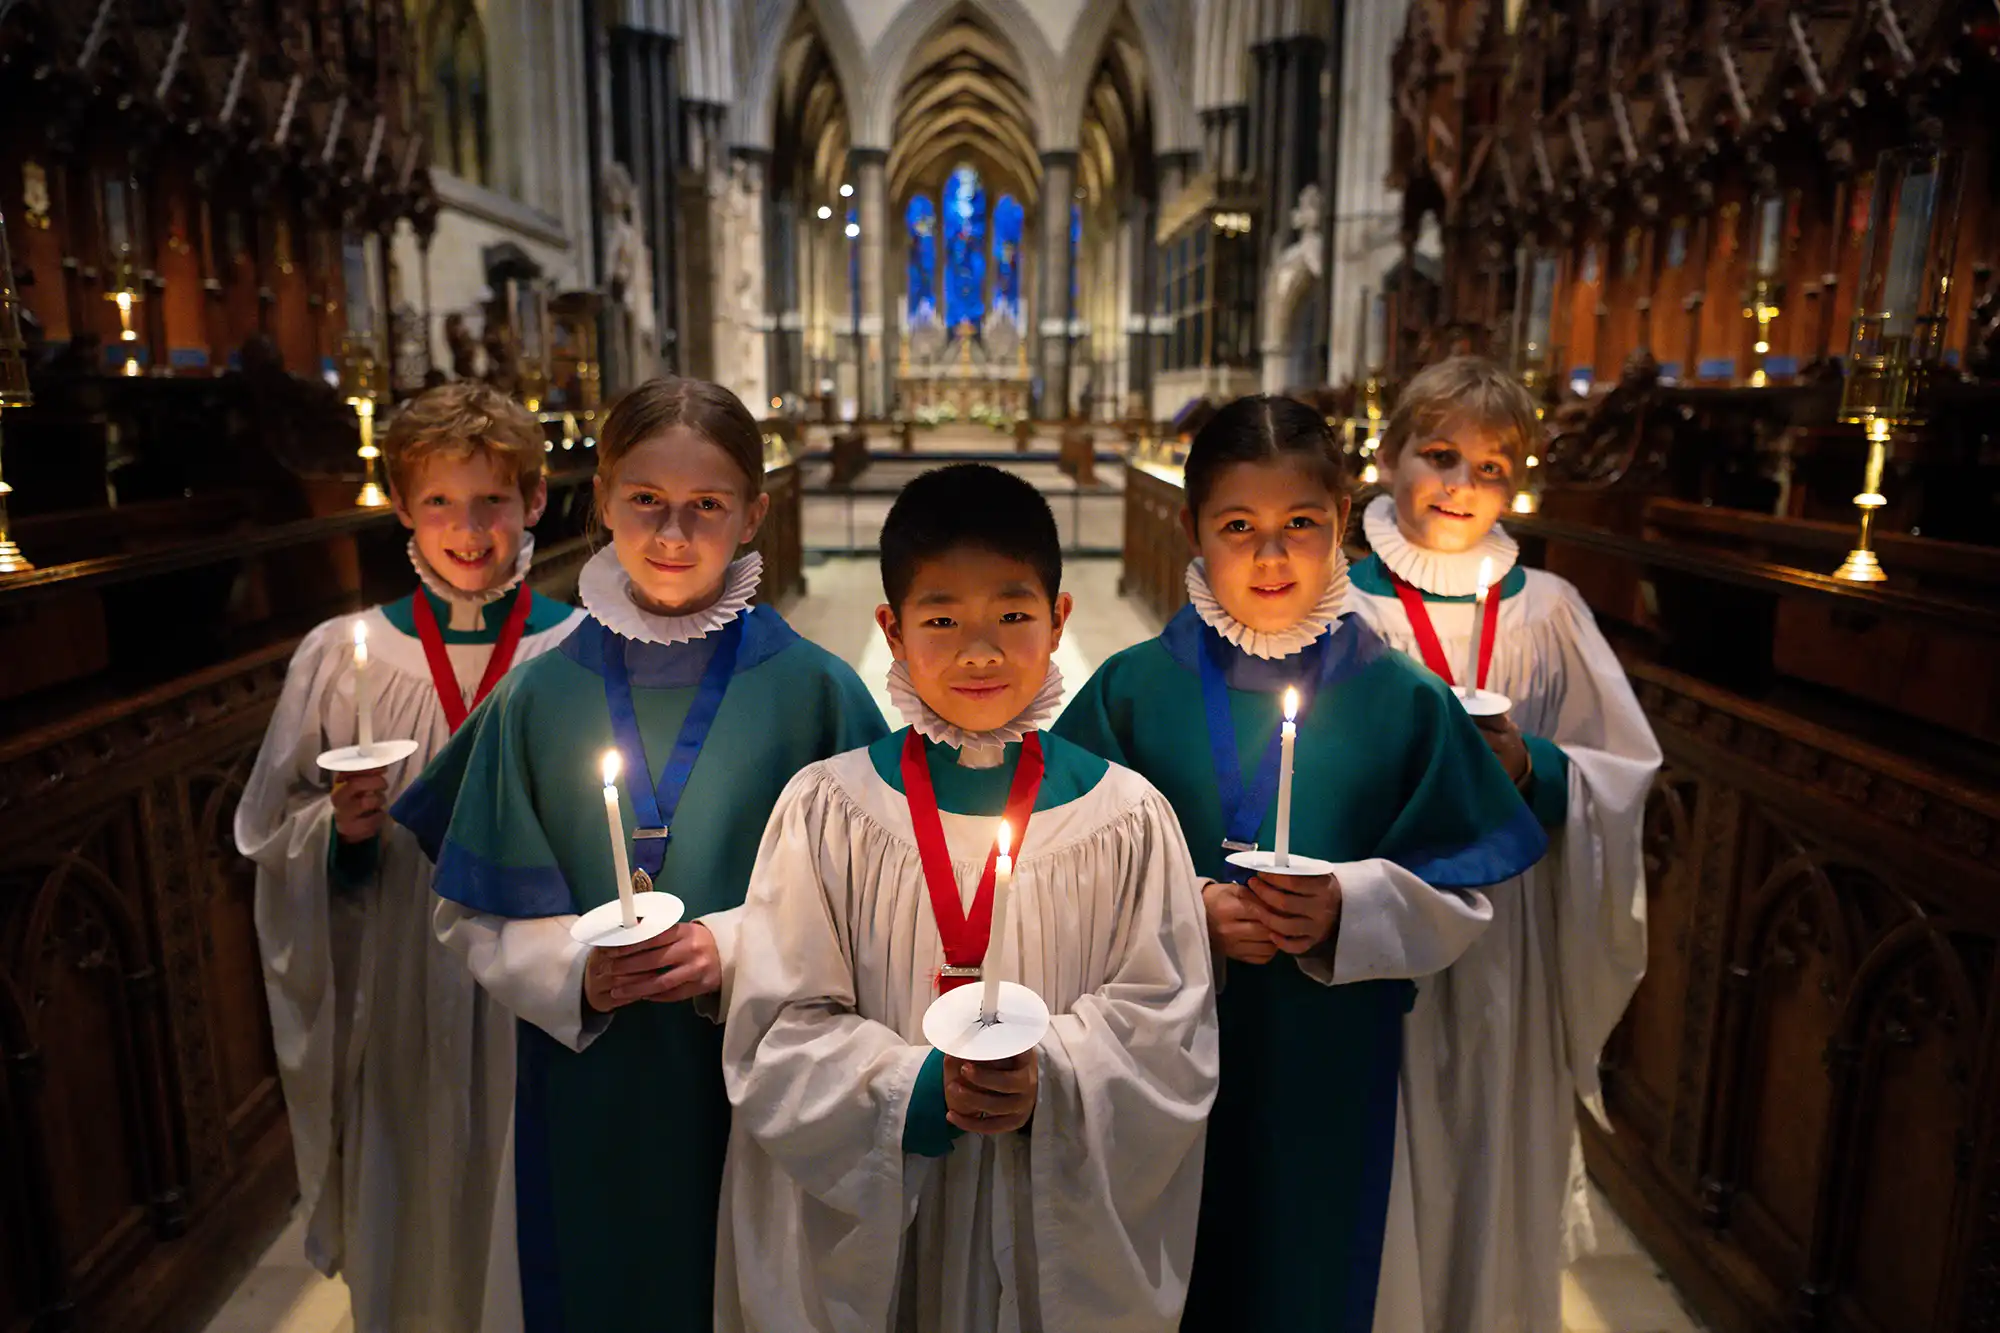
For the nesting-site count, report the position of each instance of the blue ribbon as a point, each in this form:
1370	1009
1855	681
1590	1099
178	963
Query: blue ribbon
655	808
1243	811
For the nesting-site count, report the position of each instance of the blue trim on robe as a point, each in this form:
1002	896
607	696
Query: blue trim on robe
658	666
424	809
1499	856
472	881
1383	1076
534	1187
1355	647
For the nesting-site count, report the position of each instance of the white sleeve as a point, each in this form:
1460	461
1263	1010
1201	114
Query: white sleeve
529	964
1394	925
724	926
1598	863
824	1091
1127	1079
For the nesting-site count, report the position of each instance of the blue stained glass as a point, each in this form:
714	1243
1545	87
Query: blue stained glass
921	217
1008	220
1075	248
964	255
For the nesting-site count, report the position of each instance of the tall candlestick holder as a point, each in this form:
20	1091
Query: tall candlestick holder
14	392
361	361
1896	348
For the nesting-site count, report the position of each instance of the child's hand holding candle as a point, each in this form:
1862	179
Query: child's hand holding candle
1301	912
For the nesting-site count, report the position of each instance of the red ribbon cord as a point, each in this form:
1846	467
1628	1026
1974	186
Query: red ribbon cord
1427	637
963	933
444	679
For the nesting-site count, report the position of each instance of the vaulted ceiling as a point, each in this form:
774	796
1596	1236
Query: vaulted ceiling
965	101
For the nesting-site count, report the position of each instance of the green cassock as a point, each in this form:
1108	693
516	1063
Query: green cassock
619	1147
1393	783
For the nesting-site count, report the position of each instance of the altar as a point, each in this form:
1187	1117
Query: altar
971	374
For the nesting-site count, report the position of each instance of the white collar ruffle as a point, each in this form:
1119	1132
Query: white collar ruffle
976	749
606	592
1438	573
465	606
1269	644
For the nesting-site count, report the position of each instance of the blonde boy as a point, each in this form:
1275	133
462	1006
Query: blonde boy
398	1075
1501	1044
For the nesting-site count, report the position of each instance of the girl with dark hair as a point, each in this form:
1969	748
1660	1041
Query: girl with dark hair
1306	1208
711	704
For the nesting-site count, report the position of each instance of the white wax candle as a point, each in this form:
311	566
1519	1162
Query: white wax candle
1478	620
1286	738
628	906
364	707
1003	892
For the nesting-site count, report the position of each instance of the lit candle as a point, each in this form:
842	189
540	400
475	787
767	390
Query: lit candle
1003	892
1478	620
363	707
1286	737
628	907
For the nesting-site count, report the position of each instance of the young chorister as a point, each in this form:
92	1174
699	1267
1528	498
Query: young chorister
1500	1046
705	706
1391	784
875	1182
396	1082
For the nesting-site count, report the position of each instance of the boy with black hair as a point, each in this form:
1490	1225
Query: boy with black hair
874	1183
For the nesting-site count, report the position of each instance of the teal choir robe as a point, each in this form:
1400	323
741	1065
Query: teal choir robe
1393	784
621	1120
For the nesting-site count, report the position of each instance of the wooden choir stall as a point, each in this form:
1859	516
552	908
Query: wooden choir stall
200	318
1744	252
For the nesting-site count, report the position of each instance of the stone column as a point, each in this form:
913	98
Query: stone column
868	169
1052	307
1365	213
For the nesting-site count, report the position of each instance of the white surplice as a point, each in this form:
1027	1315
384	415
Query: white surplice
1502	1044
1085	1221
398	1073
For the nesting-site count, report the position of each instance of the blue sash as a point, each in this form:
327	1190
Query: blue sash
655	807
1243	811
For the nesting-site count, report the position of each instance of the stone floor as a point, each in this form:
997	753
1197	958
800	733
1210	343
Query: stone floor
1617	1289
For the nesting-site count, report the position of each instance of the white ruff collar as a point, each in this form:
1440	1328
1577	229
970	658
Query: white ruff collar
606	592
1435	572
976	749
466	604
1268	643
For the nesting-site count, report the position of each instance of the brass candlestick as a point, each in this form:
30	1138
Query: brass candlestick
14	392
1861	566
361	359
1897	342
1763	308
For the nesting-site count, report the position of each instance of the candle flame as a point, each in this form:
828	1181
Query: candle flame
610	768
1485	574
1005	838
1291	703
360	634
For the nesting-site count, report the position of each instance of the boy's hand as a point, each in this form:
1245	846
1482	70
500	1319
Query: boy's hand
678	965
1299	911
1233	927
360	804
1504	739
993	1097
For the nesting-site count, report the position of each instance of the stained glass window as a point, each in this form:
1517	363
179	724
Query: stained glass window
1075	248
921	217
964	251
1008	218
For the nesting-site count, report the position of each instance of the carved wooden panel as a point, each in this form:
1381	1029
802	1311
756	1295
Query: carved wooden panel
1822	982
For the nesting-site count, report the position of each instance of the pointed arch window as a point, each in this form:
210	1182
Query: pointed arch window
965	250
921	219
452	70
1008	219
